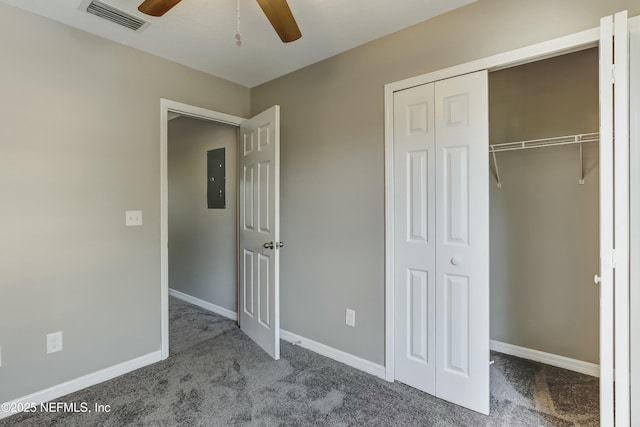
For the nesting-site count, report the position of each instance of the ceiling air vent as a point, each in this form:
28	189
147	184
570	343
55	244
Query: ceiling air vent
112	14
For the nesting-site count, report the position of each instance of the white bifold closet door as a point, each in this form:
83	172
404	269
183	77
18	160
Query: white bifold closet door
415	237
614	221
441	247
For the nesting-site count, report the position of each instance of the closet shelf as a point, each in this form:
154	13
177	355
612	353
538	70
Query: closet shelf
541	143
544	142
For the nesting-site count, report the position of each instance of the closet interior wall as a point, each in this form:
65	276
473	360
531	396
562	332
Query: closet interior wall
544	224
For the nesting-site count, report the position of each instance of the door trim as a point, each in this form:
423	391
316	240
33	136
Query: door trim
634	93
551	48
167	106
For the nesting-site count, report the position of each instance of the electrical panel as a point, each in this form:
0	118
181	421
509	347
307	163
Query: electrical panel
216	179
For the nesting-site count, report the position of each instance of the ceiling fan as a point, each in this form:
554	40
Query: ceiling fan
277	11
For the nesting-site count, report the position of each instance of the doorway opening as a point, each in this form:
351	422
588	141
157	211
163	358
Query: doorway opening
202	228
257	222
544	238
169	109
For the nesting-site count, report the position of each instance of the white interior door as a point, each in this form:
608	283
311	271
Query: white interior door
259	229
614	221
621	219
606	222
415	256
462	234
441	248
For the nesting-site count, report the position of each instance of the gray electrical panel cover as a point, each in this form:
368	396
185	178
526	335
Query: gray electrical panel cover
216	179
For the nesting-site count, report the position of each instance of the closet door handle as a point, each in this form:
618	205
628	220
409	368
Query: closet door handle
597	279
455	260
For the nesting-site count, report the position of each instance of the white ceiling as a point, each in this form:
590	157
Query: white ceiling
201	33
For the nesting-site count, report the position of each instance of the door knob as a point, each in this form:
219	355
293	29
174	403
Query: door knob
279	245
597	279
455	260
268	245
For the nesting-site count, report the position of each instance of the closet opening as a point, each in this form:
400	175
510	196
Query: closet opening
544	233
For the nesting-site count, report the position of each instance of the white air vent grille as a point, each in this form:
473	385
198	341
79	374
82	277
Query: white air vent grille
112	14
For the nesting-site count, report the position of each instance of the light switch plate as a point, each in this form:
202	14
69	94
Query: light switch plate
133	218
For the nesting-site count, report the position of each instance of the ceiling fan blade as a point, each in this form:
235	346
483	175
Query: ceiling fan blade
281	19
157	7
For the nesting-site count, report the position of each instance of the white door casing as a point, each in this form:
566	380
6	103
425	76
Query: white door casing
441	271
462	235
259	229
414	203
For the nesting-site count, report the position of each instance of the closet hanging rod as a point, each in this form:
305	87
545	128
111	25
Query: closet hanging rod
543	142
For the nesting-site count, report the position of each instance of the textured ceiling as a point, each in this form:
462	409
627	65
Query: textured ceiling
200	33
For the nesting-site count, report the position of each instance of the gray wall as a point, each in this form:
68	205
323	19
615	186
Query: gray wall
332	186
544	225
79	145
202	241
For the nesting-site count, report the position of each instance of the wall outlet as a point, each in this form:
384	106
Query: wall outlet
54	342
351	317
133	218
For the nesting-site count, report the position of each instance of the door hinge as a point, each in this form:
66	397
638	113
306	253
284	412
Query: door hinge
613	74
609	258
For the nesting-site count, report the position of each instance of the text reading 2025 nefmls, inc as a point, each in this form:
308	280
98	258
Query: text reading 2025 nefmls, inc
54	407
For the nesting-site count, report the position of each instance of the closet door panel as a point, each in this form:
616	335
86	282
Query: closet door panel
417	311
462	236
414	241
456	350
456	195
417	203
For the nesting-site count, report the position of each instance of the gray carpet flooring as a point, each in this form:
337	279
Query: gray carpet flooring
216	376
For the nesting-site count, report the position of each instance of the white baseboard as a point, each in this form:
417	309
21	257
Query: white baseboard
85	381
335	354
547	358
204	304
